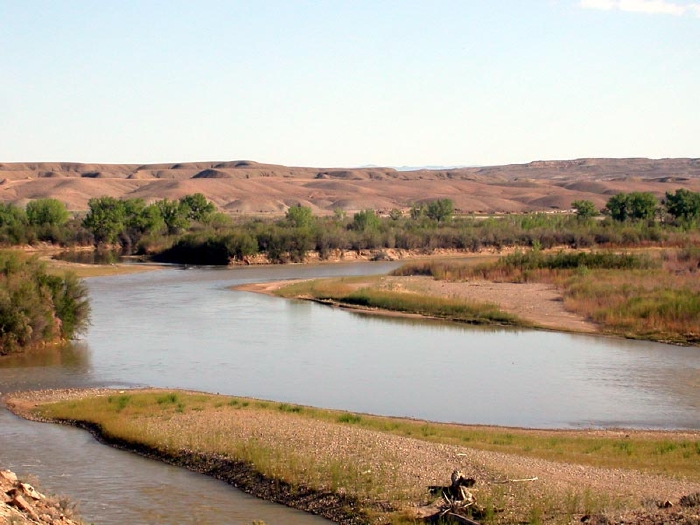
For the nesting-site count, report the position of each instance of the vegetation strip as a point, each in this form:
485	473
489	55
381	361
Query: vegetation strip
653	294
645	295
357	468
346	292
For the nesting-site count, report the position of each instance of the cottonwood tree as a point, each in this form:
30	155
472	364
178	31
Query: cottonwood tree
440	210
299	216
196	207
683	205
635	205
46	212
584	209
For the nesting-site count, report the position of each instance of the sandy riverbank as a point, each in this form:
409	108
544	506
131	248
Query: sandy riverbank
540	304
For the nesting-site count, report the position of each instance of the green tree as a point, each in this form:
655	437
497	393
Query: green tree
636	205
36	307
440	210
11	215
643	205
365	220
13	224
584	209
47	212
299	216
174	215
196	207
241	245
683	205
105	219
141	218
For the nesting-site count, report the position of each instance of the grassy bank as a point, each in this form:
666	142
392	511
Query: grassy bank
362	292
357	468
646	295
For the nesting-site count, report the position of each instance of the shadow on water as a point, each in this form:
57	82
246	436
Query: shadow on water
92	256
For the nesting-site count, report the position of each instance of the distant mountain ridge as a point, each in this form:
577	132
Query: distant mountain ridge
244	186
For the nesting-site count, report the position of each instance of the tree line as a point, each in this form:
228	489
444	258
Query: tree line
191	230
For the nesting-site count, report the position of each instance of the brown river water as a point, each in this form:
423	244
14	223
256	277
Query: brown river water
187	329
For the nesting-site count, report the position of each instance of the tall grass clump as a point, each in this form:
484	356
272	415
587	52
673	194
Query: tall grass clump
441	307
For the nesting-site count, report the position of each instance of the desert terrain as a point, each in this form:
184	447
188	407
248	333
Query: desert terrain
246	187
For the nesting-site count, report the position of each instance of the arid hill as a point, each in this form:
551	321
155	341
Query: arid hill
253	188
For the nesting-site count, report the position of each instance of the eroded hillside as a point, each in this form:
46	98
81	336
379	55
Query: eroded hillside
254	188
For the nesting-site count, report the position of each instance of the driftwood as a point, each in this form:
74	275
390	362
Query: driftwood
457	501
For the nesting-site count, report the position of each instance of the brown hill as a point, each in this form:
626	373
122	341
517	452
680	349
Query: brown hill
254	188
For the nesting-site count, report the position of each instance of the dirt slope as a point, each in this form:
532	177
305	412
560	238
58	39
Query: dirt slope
251	187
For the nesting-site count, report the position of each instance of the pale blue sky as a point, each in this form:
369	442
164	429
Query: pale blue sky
347	83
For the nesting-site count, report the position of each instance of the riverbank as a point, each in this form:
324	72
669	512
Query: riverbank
536	305
21	503
357	468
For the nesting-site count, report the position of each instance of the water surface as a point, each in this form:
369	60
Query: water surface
186	329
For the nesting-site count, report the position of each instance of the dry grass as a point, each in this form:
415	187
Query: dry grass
359	455
652	295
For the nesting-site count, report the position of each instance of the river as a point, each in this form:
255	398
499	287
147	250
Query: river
187	329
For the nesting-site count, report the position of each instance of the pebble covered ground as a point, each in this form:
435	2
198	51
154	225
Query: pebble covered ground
407	466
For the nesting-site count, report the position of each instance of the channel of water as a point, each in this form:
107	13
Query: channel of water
187	329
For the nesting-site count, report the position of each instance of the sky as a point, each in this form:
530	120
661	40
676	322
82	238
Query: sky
341	83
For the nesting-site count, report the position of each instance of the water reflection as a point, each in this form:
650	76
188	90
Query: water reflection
92	256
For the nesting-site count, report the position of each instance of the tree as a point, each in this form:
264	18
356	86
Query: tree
683	205
636	205
141	218
643	205
36	307
174	215
299	216
196	207
584	209
365	220
11	215
106	219
440	210
46	212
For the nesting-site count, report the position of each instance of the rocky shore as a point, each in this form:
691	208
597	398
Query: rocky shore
21	503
